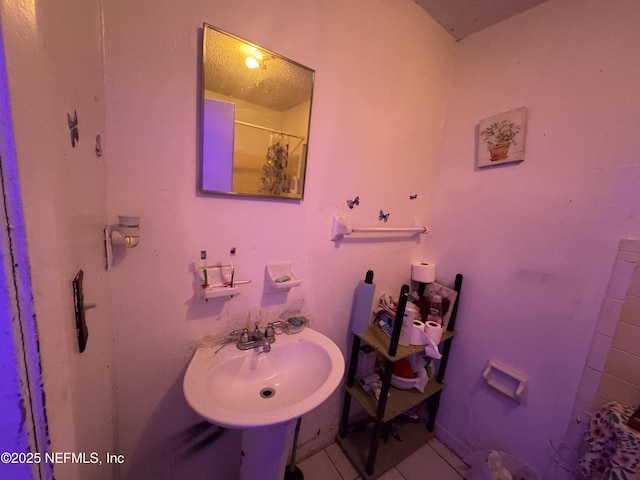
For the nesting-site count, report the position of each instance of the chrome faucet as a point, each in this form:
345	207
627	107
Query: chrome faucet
260	339
248	340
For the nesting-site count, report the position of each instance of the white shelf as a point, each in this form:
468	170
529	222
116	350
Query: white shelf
220	289
219	292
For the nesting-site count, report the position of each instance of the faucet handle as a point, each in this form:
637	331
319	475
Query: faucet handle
270	331
242	333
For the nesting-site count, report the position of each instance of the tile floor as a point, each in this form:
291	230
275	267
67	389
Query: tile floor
432	461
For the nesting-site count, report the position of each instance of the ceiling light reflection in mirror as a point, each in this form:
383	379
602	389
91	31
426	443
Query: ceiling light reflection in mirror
255	119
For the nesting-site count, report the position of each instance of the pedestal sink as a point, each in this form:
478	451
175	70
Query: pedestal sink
264	393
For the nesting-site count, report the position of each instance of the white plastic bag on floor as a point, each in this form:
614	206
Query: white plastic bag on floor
496	465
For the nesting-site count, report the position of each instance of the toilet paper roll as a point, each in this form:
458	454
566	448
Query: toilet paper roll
434	331
423	272
434	335
418	335
361	308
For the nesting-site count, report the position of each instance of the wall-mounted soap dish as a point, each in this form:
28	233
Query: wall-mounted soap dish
279	277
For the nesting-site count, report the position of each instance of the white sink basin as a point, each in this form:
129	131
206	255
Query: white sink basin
246	389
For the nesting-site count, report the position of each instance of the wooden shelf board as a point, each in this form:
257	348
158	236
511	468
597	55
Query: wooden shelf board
356	447
380	341
398	402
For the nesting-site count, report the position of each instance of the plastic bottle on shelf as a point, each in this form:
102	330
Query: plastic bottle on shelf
435	310
410	313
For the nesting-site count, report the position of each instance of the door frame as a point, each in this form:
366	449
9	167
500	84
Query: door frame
17	308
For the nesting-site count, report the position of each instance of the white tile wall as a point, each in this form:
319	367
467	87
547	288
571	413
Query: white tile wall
634	285
614	388
624	365
626	338
612	370
620	279
589	384
609	316
621	377
599	351
631	246
630	311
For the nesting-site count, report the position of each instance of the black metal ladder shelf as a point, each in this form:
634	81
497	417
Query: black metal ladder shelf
368	448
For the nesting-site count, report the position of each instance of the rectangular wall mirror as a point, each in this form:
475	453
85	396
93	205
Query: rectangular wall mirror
256	111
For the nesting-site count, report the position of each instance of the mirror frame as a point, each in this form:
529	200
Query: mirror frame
303	145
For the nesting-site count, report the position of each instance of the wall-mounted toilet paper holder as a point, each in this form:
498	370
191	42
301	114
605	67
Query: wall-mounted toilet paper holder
505	380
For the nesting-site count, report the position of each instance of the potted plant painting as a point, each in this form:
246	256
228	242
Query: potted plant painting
502	138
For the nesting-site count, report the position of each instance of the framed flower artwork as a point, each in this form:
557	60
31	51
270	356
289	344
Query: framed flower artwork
501	138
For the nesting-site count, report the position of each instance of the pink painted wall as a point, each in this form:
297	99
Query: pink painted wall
144	104
382	73
537	241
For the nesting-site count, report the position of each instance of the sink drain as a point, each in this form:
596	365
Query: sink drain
267	392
